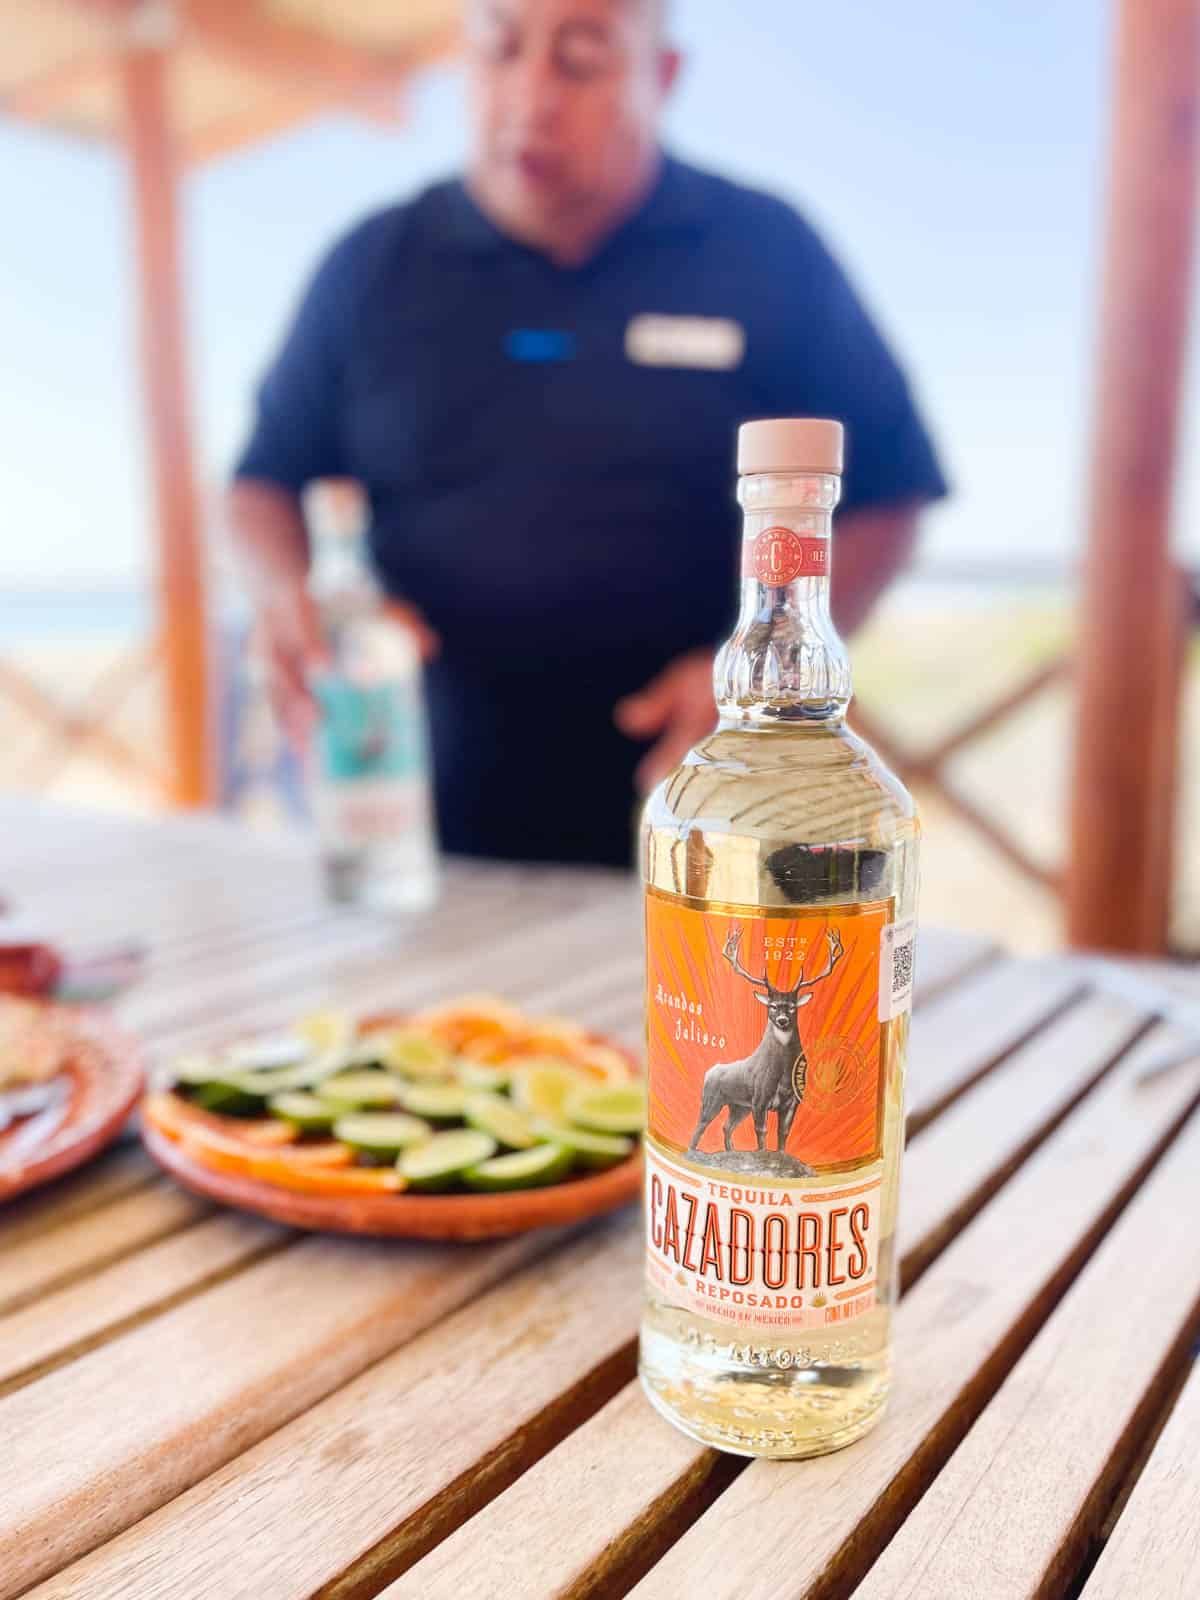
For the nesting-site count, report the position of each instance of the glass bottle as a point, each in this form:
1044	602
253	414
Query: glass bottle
780	866
369	770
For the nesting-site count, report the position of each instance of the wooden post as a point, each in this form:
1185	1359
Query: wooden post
1118	892
183	612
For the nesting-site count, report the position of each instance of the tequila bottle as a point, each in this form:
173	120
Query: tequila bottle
370	764
780	866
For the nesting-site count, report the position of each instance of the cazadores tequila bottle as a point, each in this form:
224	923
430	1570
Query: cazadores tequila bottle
780	865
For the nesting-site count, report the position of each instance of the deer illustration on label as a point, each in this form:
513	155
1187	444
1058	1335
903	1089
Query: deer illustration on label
774	1077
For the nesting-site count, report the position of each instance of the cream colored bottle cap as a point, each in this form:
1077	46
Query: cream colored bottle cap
791	444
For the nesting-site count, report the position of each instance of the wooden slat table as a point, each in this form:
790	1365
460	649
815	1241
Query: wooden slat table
195	1404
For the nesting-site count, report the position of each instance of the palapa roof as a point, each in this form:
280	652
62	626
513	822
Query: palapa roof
240	69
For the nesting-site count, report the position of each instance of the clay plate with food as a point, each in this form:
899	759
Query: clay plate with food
68	1081
469	1120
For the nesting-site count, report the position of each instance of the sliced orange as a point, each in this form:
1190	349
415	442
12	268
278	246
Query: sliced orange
285	1172
490	1047
552	1036
173	1115
600	1061
262	1132
177	1120
471	1019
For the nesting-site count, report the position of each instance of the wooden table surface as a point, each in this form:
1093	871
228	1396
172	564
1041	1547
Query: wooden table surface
202	1406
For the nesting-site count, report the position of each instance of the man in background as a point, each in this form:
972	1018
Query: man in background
536	373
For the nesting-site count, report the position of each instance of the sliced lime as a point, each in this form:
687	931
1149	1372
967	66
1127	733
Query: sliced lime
615	1110
215	1085
381	1133
414	1054
192	1071
522	1169
482	1075
365	1052
241	1083
542	1086
266	1084
360	1089
492	1113
441	1161
309	1074
225	1098
326	1030
270	1055
438	1102
262	1085
595	1151
304	1111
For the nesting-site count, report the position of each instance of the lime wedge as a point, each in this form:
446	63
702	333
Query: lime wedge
304	1111
543	1085
523	1169
414	1054
492	1113
381	1133
441	1161
352	1090
437	1102
616	1110
593	1151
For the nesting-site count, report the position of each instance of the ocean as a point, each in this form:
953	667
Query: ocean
109	612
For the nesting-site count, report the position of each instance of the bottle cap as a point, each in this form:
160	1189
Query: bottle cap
791	444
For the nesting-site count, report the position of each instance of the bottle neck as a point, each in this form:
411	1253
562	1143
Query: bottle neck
785	662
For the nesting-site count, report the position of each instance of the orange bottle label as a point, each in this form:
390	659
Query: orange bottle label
766	1114
764	1033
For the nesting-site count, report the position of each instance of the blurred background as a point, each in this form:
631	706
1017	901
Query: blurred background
955	157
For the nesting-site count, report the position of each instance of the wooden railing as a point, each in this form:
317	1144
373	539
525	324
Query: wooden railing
76	724
69	725
930	766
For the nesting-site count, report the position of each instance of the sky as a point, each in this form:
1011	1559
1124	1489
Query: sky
953	155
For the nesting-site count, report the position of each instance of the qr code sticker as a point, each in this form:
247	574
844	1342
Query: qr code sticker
897	947
902	971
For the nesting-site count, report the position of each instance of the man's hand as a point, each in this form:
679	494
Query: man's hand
290	644
678	705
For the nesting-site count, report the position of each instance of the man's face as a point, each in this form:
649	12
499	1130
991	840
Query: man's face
566	97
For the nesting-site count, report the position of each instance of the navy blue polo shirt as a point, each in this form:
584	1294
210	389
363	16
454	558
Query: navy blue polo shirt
548	458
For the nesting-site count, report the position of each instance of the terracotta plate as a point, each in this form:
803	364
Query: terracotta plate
409	1216
102	1082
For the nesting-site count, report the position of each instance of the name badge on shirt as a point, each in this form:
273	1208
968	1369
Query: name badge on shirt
703	344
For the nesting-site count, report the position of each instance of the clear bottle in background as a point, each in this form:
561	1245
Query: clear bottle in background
369	771
780	864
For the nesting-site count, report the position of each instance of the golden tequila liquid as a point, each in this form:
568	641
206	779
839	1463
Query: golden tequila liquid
780	863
